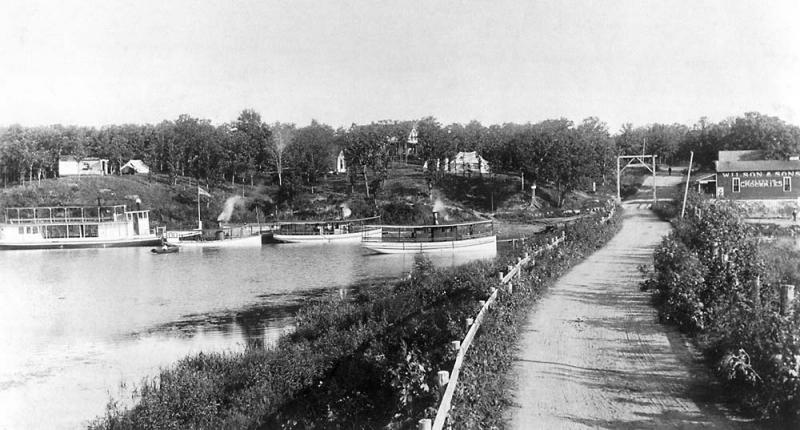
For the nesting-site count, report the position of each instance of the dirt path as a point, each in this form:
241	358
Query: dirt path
594	356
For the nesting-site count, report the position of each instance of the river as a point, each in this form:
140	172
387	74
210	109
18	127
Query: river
79	328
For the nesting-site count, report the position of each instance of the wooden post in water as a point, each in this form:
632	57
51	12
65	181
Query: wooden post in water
787	299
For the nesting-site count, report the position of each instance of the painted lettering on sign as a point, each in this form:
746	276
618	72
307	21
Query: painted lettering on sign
761	183
777	174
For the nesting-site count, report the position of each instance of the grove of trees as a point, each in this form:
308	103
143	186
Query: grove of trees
558	152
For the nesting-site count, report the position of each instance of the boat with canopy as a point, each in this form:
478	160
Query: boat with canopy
407	239
330	231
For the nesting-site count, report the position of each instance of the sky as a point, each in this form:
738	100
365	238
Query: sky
341	62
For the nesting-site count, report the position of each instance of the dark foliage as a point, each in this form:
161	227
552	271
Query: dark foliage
713	280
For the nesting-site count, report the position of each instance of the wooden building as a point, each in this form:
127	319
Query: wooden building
71	166
746	175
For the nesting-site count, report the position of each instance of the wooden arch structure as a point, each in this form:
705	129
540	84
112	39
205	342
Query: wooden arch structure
637	161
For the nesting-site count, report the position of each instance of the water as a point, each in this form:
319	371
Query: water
81	327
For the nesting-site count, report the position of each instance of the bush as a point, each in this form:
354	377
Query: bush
714	281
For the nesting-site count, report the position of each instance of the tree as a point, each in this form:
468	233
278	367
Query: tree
249	144
282	135
311	151
366	146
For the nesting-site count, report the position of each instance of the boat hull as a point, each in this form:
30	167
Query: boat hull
234	242
477	244
327	238
81	243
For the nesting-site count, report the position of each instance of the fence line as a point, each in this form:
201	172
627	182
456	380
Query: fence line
451	379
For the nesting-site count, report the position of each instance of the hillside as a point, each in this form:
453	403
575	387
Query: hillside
405	198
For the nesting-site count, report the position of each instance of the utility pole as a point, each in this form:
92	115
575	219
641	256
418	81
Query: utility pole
686	191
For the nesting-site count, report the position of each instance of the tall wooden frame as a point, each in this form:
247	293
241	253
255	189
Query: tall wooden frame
637	161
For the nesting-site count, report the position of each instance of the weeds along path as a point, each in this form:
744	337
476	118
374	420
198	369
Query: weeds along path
593	354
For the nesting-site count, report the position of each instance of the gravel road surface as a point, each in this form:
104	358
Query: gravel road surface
593	354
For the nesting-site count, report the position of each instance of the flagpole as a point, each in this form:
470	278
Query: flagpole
199	223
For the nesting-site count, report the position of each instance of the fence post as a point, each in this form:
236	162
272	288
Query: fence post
510	288
756	292
482	303
787	299
424	424
442	378
500	276
469	322
456	344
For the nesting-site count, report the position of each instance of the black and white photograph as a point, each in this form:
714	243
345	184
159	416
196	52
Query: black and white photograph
405	215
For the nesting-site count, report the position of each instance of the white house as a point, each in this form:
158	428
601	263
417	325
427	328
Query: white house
467	162
341	165
134	167
71	166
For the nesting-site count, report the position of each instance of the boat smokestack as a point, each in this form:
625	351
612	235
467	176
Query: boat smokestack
435	218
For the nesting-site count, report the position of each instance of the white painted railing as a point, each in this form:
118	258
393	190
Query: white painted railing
451	379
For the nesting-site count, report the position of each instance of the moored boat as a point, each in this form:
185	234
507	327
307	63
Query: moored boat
330	231
224	236
60	227
411	239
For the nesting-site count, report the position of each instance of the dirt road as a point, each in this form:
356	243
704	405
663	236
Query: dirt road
594	356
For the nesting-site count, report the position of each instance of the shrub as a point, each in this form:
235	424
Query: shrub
714	281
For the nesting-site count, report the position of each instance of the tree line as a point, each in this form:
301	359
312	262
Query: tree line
556	151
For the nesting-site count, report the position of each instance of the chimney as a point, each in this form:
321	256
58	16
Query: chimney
435	218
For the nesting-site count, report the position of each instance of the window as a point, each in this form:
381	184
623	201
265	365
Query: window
22	230
787	184
736	185
35	230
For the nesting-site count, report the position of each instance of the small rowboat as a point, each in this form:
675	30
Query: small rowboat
165	250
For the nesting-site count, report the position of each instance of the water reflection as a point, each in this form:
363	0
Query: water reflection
79	327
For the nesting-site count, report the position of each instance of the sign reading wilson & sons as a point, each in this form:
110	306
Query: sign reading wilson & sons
776	174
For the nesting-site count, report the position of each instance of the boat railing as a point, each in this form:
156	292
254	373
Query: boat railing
311	227
65	214
434	233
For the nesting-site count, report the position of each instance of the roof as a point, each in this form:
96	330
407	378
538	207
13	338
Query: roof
470	157
746	155
707	178
72	158
757	166
136	164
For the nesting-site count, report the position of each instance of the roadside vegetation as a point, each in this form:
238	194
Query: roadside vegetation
717	281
